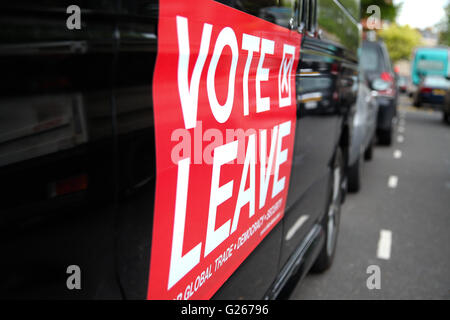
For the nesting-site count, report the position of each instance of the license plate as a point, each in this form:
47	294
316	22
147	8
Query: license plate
438	92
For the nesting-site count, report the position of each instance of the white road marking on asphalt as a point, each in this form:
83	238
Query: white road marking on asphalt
400	139
297	225
384	245
393	182
401	122
401	129
397	154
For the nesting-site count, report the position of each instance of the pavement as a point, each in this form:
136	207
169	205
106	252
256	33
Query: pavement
399	222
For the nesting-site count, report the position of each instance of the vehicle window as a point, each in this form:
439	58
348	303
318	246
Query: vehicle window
336	26
433	65
283	13
436	82
370	59
352	7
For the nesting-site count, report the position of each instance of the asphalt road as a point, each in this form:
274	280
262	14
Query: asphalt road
414	209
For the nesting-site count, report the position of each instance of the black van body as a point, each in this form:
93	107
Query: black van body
77	150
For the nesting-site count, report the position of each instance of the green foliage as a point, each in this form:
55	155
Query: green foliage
444	36
400	41
389	11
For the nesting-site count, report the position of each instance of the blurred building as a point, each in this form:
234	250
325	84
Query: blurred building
430	37
404	67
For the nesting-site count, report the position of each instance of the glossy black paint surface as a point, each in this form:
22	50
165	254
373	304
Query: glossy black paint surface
77	152
326	96
57	151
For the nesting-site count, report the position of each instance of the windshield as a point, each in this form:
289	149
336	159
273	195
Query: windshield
430	65
370	58
439	82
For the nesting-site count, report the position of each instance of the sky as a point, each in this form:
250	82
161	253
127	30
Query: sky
421	13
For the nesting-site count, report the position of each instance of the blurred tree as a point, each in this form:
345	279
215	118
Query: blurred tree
444	35
400	41
389	11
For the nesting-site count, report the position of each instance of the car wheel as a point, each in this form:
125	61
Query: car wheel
354	176
368	153
417	103
385	137
331	219
446	117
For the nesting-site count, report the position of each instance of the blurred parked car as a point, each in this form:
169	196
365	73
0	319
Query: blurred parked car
403	84
363	135
429	61
431	90
377	65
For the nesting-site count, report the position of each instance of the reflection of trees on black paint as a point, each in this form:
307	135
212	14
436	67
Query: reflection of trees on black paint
336	25
444	36
352	6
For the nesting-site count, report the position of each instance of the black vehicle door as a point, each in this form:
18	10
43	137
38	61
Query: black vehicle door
56	150
137	25
326	90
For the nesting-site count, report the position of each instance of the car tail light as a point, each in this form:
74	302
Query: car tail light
425	90
386	76
389	80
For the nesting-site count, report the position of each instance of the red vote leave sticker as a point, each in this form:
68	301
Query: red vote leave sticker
225	115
